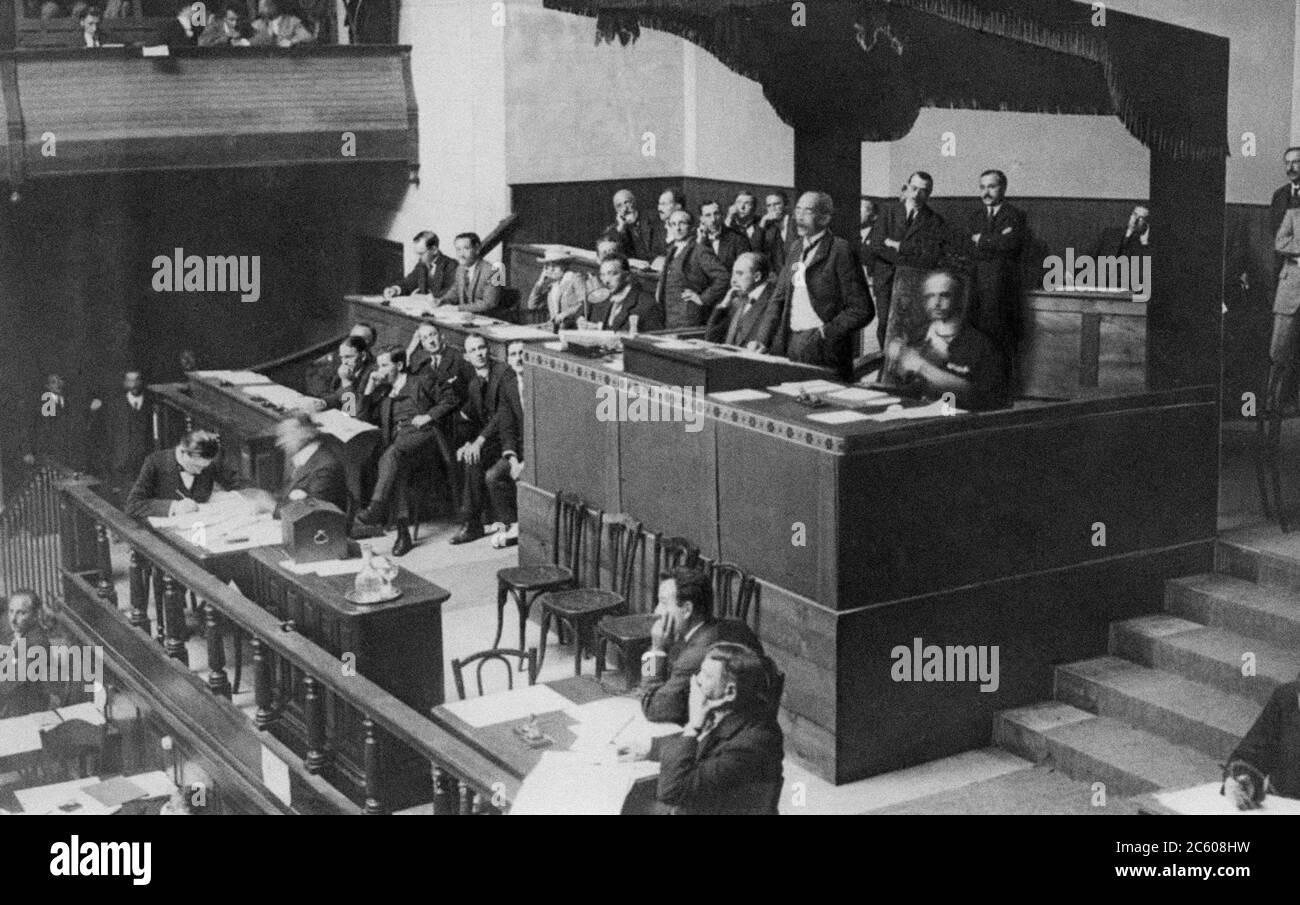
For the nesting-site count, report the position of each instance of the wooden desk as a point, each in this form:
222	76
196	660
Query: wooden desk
396	645
498	741
1082	342
395	328
978	529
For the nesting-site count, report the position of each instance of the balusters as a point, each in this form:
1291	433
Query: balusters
444	793
104	562
174	628
141	573
467	798
263	693
218	682
316	758
374	799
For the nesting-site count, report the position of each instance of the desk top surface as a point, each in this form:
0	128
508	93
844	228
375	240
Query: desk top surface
447	317
330	590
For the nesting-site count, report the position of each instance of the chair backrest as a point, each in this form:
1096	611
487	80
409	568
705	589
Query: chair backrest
733	591
625	542
573	533
483	657
674	552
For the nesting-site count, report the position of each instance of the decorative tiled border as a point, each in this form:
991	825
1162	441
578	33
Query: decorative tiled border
603	376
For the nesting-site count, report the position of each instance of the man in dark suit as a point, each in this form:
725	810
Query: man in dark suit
476	288
489	416
180	30
693	280
1128	241
997	231
57	426
175	481
409	415
821	295
356	364
27	622
725	243
747	316
501	477
1288	196
128	419
777	228
679	639
429	354
742	217
625	300
909	234
635	233
316	472
869	222
434	273
728	758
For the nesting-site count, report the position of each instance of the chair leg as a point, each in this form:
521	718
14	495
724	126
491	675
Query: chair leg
502	592
602	646
521	602
577	647
546	626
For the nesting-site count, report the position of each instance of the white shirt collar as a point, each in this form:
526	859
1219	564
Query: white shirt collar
621	294
813	240
136	402
687	636
757	290
301	457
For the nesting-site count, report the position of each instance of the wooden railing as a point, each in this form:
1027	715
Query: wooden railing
29	535
160	579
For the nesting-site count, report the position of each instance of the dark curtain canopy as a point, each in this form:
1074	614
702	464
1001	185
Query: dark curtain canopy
870	65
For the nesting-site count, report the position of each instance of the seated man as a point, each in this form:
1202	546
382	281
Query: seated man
561	292
747	317
229	29
408	417
1129	241
434	272
27	620
276	25
174	481
477	288
624	300
1269	756
315	471
725	243
501	477
180	30
679	639
92	34
367	332
635	234
953	357
489	418
728	758
355	367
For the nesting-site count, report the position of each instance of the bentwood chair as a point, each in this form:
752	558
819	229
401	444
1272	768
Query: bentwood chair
630	632
569	540
734	592
484	657
583	608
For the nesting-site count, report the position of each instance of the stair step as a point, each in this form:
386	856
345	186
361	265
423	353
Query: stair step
1091	749
1033	790
1178	709
1235	604
1205	654
1260	555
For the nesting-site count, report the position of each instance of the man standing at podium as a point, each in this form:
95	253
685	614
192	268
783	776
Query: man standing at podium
822	294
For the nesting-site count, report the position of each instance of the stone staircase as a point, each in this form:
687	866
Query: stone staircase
1168	704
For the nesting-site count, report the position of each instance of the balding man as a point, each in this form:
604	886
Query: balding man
315	471
747	316
635	233
822	295
693	280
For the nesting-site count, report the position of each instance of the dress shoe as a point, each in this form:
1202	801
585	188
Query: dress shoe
403	544
373	514
467	533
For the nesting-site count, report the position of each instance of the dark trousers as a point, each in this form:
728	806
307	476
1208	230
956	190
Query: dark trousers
882	288
410	449
501	488
478	491
808	347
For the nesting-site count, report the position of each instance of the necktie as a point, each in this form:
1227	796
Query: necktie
464	288
911	215
990	217
740	301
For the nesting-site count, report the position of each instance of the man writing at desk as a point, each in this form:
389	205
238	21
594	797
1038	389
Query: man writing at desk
175	481
953	357
679	639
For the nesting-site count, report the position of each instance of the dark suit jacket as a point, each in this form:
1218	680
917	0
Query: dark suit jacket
837	287
773	245
484	295
650	316
422	394
734	769
339	397
666	698
493	411
1111	243
753	322
636	241
995	308
322	477
159	484
923	243
453	377
130	437
173	35
700	271
731	245
436	281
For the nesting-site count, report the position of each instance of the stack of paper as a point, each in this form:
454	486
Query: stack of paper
413	305
234	378
806	387
325	569
567	783
860	396
732	396
511	332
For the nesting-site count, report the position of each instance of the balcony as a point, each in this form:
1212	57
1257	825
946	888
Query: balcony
111	110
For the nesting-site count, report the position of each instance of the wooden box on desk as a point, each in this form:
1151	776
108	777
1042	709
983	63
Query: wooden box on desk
714	368
313	531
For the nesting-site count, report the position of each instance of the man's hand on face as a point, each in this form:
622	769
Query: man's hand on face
663	630
894	244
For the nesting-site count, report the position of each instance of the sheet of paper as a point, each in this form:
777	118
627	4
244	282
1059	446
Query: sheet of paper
87	712
572	783
344	427
678	344
509	706
809	387
731	396
605	725
512	332
372	299
19	735
862	396
275	775
235	378
263	534
413	305
113	793
279	396
838	417
325	569
62	798
1207	800
155	784
898	413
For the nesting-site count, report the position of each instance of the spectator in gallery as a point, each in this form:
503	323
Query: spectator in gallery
559	290
279	25
635	233
778	229
726	243
57	423
1127	241
693	280
230	29
742	217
